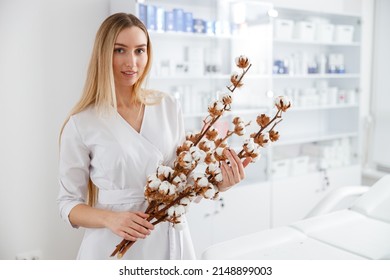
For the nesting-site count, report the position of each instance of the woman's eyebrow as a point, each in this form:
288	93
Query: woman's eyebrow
120	44
123	45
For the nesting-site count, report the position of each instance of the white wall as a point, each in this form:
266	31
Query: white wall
44	51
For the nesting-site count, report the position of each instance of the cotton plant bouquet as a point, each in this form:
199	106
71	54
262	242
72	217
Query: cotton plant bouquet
197	169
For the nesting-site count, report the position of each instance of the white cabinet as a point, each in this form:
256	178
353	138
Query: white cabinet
242	210
294	197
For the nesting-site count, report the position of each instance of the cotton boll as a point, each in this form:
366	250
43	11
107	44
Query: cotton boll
168	171
286	101
209	144
172	189
218	177
250	145
219	105
195	153
160	170
242	61
164	187
282	103
219	151
180	187
185	160
209	193
202	155
188	143
202	182
277	101
176	180
197	175
179	210
212	167
171	211
155	184
152	177
266	139
183	177
185	202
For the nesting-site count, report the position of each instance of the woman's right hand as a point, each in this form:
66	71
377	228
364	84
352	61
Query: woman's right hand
129	225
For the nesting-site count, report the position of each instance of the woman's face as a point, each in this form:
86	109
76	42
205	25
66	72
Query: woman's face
130	57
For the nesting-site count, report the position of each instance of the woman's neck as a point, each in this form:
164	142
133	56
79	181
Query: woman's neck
125	98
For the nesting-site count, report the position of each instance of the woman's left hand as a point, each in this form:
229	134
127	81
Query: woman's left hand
233	172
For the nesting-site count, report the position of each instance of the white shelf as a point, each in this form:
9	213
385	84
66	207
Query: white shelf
209	77
318	76
300	139
186	35
324	107
316	43
234	112
286	9
191	77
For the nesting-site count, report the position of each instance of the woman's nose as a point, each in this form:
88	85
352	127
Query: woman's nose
131	61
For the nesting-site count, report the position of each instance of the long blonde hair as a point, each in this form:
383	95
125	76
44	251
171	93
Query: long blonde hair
99	88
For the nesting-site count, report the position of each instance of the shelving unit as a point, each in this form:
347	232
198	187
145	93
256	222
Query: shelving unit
310	159
319	145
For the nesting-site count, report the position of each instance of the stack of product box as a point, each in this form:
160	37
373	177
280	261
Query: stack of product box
178	20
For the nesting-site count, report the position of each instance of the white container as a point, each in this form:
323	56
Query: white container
332	95
283	29
343	33
299	165
304	30
324	32
281	168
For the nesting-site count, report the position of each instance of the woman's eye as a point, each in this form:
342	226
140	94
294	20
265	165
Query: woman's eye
119	50
140	51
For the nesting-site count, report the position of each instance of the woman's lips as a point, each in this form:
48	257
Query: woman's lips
129	73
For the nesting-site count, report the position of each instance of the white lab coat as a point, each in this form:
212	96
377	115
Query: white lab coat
118	159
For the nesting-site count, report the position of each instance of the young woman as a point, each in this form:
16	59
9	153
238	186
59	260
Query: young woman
115	136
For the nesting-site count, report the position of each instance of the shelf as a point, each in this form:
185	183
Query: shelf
324	107
318	76
313	138
234	112
338	169
286	9
186	35
209	77
191	77
316	43
254	77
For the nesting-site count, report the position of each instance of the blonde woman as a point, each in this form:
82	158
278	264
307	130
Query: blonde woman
115	136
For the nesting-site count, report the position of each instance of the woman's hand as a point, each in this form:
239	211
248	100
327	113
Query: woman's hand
233	172
129	225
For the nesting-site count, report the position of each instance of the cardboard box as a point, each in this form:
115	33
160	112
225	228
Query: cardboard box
324	32
304	30
283	29
343	33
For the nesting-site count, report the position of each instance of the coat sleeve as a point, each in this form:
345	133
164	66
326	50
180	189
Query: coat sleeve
74	162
